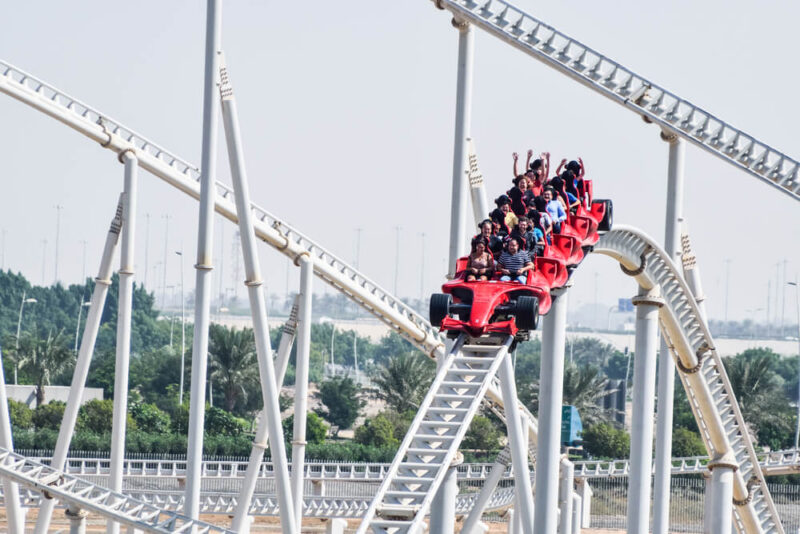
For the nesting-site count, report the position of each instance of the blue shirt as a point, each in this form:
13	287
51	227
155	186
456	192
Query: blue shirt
556	211
537	235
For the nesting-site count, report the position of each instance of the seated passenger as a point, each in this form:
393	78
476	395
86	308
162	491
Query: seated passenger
517	195
503	215
573	197
539	206
480	264
578	169
537	248
487	228
515	157
524	234
514	263
554	209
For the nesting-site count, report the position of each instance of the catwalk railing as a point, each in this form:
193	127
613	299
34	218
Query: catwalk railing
636	93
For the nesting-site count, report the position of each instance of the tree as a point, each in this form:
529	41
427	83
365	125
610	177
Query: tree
316	429
584	386
687	443
481	435
605	441
49	415
43	357
149	418
233	363
220	422
341	397
404	380
20	414
378	432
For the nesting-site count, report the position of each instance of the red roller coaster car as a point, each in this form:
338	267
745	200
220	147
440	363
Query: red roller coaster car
481	308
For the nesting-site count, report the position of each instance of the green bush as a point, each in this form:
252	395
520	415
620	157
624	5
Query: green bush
220	422
49	415
316	429
222	445
149	418
83	440
180	419
377	432
20	414
603	440
481	435
349	451
687	443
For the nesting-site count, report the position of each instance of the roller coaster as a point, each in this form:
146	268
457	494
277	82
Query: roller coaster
418	489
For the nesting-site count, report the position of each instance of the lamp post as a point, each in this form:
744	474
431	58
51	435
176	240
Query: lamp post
183	326
797	300
19	328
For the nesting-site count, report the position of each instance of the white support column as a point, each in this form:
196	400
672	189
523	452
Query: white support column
584	490
551	389
101	284
77	520
241	520
576	513
204	265
258	308
14	511
458	213
336	525
644	385
443	507
721	506
565	496
301	386
518	444
666	367
124	317
501	463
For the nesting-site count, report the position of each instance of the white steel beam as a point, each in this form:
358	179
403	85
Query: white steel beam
204	264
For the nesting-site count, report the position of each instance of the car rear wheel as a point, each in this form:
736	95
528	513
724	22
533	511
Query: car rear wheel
608	217
440	307
526	313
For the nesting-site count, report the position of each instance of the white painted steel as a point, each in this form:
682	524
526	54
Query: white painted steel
709	391
644	391
551	387
124	320
204	263
480	206
443	508
301	387
458	208
432	440
87	496
518	444
15	516
95	313
499	470
721	501
636	93
269	387
666	368
565	492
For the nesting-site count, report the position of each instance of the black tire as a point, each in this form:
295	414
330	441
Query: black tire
526	313
440	307
608	219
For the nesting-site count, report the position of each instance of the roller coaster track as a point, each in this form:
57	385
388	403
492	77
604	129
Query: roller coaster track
704	378
709	391
632	91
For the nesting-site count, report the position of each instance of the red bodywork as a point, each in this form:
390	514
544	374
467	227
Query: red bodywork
579	230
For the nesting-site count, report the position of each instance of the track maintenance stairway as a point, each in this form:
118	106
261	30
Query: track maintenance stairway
433	439
700	368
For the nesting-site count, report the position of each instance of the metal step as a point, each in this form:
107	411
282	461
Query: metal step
430	446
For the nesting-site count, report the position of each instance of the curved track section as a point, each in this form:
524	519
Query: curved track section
710	393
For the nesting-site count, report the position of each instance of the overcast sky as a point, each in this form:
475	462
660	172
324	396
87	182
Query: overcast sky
347	112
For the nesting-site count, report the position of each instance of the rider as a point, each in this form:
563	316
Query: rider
514	263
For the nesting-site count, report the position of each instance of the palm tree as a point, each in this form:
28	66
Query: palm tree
233	362
584	386
404	380
43	357
755	384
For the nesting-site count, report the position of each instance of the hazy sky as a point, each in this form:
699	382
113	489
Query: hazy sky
347	112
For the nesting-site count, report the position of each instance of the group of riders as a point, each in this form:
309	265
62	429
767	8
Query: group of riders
526	217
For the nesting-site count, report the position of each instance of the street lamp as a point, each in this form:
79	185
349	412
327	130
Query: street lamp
797	300
78	326
19	327
183	327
